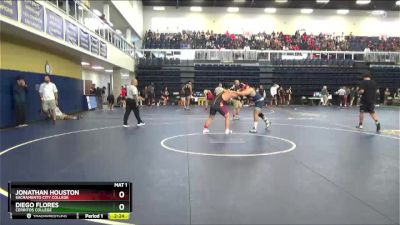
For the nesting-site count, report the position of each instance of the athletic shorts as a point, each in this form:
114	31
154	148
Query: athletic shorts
368	108
222	109
259	104
48	104
237	103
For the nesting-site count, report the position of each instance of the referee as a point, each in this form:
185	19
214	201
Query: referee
132	98
368	97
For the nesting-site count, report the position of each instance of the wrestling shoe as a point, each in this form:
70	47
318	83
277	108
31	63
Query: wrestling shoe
206	131
378	127
267	123
228	131
253	131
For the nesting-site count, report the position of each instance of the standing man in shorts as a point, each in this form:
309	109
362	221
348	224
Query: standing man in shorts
188	91
237	104
49	98
368	97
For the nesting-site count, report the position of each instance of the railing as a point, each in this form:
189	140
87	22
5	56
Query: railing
227	55
80	13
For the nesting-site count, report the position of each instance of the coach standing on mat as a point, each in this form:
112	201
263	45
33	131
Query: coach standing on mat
49	97
132	99
368	97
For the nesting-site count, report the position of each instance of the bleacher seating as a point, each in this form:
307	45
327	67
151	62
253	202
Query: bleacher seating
387	77
161	72
208	76
304	76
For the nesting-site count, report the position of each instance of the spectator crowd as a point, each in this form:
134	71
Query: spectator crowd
266	41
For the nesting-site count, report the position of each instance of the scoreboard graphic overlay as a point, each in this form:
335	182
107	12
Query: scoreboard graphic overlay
69	200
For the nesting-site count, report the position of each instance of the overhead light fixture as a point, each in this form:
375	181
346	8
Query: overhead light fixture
158	8
80	7
306	11
377	12
398	3
270	10
109	71
111	24
125	74
323	1
342	11
281	1
363	2
85	63
196	9
97	12
233	9
97	67
118	31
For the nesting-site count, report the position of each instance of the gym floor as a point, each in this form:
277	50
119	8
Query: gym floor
311	167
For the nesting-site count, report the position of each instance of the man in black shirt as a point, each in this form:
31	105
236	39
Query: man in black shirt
368	97
20	91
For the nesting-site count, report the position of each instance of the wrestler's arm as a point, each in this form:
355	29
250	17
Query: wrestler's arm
233	94
245	92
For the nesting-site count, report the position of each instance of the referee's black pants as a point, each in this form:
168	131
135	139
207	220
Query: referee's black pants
20	113
131	105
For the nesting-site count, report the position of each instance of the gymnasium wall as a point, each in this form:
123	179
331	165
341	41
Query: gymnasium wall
101	79
132	11
361	23
19	58
19	55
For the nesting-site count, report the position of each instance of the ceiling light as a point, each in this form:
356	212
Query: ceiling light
97	67
342	11
85	63
306	11
97	12
377	12
363	2
281	1
108	71
196	9
270	10
125	74
118	31
398	3
158	8
233	9
323	1
80	7
111	24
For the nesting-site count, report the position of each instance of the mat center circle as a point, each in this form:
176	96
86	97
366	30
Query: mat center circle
233	145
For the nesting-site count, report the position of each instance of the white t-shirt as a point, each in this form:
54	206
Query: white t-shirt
274	90
47	91
131	92
341	92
